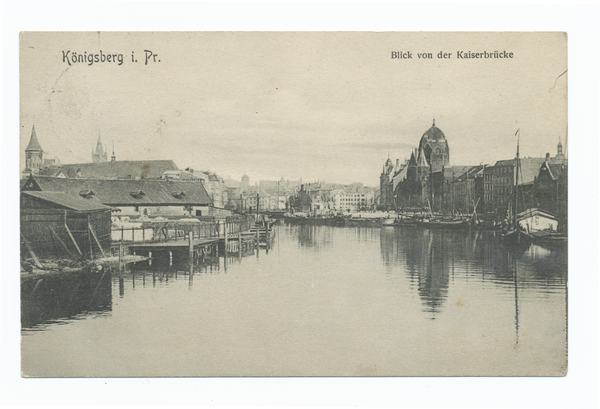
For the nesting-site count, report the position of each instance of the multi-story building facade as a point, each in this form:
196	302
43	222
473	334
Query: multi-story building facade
353	201
467	190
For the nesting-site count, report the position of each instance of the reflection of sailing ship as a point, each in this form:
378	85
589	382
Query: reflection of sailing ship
512	261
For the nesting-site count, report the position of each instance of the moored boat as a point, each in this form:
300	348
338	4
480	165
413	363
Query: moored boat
513	235
548	239
435	222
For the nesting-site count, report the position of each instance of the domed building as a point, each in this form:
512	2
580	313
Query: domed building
433	147
423	185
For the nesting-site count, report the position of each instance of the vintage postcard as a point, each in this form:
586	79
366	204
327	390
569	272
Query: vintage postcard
225	204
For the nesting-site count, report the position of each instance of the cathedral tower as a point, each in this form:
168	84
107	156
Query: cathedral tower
34	155
99	155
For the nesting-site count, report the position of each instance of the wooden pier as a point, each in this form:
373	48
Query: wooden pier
209	246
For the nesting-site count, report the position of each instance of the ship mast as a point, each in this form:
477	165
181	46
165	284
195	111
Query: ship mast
516	182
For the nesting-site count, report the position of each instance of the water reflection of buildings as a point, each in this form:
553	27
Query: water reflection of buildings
64	296
161	270
314	237
427	262
432	258
318	237
67	296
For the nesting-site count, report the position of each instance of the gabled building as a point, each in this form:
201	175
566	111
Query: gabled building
551	189
127	169
144	197
56	224
466	191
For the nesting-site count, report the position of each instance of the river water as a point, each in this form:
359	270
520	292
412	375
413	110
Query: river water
334	301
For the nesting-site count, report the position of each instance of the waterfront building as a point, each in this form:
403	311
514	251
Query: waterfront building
353	201
386	192
143	197
466	191
534	220
55	224
504	179
424	181
551	188
301	201
128	169
488	189
253	198
216	188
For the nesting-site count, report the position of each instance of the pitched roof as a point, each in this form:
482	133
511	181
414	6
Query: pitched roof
422	160
412	161
555	170
535	212
471	172
120	192
56	171
133	169
34	145
63	200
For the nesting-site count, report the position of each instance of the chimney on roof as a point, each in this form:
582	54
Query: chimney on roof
547	157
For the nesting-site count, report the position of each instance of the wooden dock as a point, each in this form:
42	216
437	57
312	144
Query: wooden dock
202	247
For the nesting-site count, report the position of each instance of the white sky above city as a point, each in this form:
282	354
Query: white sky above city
327	106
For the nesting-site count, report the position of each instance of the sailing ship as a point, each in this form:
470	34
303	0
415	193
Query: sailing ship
513	234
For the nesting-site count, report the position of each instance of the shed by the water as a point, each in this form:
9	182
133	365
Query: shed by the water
533	220
55	224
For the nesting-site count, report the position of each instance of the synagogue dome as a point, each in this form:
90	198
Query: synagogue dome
433	134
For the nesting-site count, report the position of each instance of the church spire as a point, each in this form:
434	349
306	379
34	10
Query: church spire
99	154
99	147
433	121
34	145
559	149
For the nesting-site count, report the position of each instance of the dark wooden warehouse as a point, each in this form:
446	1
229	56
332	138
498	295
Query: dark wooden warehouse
57	225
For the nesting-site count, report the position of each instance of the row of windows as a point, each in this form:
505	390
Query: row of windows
507	169
503	190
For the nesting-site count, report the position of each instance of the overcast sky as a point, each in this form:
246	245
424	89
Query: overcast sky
323	106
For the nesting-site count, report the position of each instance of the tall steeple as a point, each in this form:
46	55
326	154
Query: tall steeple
34	145
34	155
99	155
113	158
559	150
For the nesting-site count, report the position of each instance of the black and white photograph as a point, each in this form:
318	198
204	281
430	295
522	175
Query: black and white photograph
332	204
